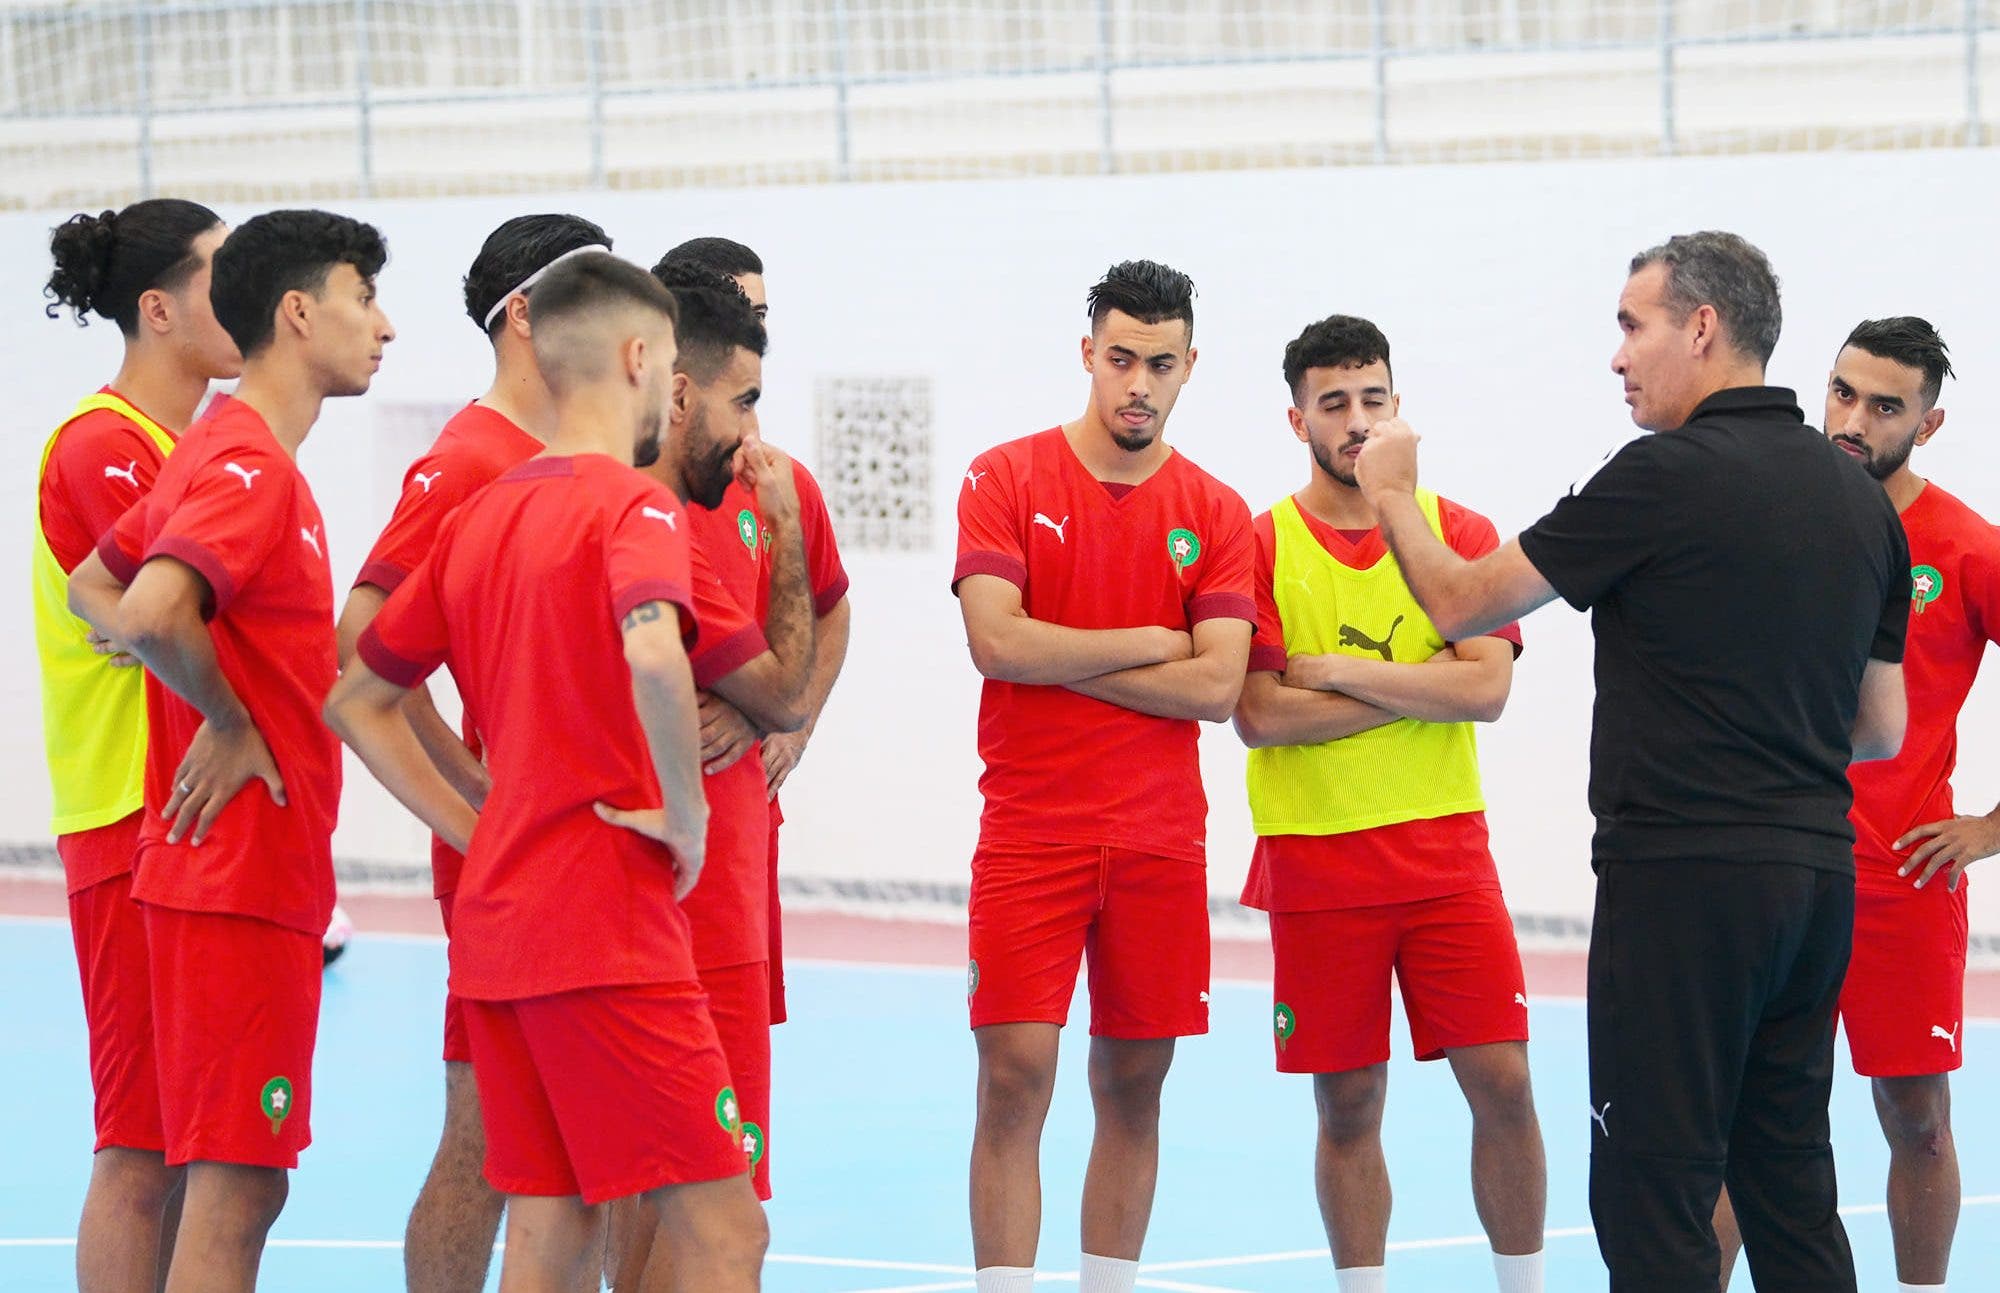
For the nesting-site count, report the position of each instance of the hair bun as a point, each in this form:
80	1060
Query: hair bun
82	246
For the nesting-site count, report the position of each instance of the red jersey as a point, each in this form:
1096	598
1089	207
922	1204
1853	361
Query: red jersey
1402	862
1061	767
101	464
1954	613
471	452
233	505
521	596
728	912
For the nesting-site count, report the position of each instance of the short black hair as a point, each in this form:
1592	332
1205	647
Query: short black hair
1145	289
517	249
105	263
1909	341
715	318
723	255
582	285
1726	272
284	251
1337	341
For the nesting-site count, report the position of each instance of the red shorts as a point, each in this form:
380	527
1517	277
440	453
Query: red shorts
110	934
1454	958
738	998
1037	908
777	926
457	1050
603	1092
1903	1003
236	1011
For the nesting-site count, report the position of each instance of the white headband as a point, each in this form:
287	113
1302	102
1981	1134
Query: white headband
535	278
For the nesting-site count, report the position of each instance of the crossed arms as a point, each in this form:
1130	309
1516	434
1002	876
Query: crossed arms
1322	698
1150	669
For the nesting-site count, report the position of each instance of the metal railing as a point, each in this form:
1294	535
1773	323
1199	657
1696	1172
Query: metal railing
67	70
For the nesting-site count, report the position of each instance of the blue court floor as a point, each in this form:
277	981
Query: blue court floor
872	1128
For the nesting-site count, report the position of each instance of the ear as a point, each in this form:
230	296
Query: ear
633	355
156	311
1298	420
516	315
1929	426
680	396
1707	330
1395	404
1193	354
295	310
1089	353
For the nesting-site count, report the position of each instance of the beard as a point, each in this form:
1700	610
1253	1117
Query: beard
1886	463
710	463
1136	441
1333	464
646	449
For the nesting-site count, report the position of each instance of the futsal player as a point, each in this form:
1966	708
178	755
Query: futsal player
1372	853
218	582
145	269
1903	1003
1739	671
761	671
560	596
448	1244
1105	584
727	734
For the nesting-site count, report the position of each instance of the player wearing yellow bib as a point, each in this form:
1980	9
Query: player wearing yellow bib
146	269
1372	852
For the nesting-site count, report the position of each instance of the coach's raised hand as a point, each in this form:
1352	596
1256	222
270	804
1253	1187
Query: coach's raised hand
1388	461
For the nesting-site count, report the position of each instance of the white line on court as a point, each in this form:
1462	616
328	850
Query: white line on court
1466	1241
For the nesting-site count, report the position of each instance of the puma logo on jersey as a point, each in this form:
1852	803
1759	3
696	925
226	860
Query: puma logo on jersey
1520	1001
1597	1116
1950	1037
1351	636
658	515
1040	519
249	477
129	473
424	480
972	479
312	539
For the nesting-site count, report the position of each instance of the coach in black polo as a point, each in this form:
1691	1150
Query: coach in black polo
1748	587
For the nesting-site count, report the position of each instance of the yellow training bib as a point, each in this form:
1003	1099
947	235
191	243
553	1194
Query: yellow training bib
93	715
1405	771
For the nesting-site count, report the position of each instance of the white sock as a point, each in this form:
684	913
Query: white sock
1005	1279
1520	1274
1362	1279
1107	1274
1918	1288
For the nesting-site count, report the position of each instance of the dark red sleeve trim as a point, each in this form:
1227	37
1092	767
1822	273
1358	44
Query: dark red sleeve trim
383	574
1222	606
388	666
204	562
713	664
990	563
825	599
1268	659
119	562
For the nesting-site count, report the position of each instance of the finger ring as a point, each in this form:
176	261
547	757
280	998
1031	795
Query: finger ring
186	789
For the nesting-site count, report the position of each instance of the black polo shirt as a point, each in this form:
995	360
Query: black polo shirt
1740	572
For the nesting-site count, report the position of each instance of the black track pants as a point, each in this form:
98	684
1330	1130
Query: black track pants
1712	995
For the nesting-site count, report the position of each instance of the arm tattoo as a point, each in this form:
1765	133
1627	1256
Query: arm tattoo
644	613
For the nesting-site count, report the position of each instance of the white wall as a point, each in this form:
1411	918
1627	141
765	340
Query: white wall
1495	284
